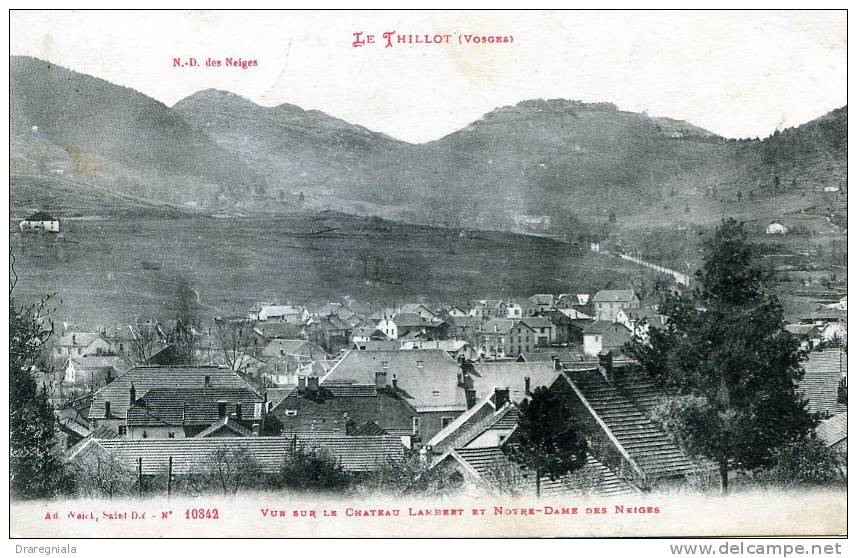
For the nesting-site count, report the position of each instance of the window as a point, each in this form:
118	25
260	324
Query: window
171	435
419	364
416	424
257	410
445	421
123	430
435	393
291	412
121	347
145	435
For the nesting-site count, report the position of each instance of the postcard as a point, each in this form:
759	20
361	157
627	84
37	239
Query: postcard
403	274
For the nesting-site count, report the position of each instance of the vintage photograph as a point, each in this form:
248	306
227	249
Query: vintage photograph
396	274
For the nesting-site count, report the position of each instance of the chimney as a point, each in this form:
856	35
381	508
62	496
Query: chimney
107	409
470	397
527	385
395	383
605	364
380	379
109	376
221	409
256	429
208	381
73	339
556	363
132	394
302	382
238	411
312	383
501	397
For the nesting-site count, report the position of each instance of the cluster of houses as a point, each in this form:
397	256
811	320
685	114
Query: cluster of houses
373	386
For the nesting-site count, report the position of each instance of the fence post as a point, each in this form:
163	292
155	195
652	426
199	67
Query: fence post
140	476
170	478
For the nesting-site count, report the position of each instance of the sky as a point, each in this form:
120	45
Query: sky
738	74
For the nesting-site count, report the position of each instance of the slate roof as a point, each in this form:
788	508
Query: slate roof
574	314
624	295
833	430
341	405
40	216
822	372
296	347
226	423
483	461
410	319
497	325
635	433
355	453
458	429
373	345
78	339
536	322
426	378
448	345
145	378
510	374
276	330
190	406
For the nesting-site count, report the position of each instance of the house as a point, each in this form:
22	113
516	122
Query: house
419	309
544	302
553	354
456	348
833	432
520	379
186	412
568	326
40	222
608	303
639	321
289	314
301	348
93	372
81	344
455	312
110	404
824	383
544	331
514	311
599	336
501	338
471	448
464	327
612	407
331	332
345	407
355	454
388	327
487	308
776	227
380	345
428	379
367	332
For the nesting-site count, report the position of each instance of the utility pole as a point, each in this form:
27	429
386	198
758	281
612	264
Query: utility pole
170	478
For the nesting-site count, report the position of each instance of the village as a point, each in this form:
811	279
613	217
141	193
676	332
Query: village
432	385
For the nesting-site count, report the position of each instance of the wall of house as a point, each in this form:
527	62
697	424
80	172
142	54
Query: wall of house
592	344
154	432
431	422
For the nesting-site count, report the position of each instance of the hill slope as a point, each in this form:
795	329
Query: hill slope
63	122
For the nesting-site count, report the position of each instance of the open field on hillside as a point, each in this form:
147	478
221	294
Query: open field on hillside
108	270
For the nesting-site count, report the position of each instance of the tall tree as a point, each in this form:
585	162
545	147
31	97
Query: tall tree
726	357
183	336
36	469
546	441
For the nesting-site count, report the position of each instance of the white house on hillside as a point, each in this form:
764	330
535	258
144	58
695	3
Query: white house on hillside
40	221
